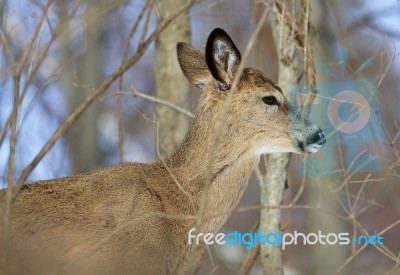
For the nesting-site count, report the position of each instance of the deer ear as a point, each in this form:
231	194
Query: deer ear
222	58
193	64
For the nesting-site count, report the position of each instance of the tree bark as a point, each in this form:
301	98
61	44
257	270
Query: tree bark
171	85
79	78
272	185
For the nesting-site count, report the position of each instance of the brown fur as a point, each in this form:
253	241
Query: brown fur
106	221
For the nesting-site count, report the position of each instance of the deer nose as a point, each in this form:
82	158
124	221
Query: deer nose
319	138
314	142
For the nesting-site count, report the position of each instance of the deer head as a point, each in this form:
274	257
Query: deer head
260	117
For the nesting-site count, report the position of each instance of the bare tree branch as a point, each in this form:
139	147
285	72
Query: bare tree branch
160	101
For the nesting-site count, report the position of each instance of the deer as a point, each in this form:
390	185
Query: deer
124	219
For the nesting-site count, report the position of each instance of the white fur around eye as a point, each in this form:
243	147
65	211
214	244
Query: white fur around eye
271	109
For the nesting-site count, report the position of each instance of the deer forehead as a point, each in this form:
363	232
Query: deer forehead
252	77
254	83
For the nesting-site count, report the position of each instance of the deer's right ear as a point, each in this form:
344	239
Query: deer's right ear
193	64
222	58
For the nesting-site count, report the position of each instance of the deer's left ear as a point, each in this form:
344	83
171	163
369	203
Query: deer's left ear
222	58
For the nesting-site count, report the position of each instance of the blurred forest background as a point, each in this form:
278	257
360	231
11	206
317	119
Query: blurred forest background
107	62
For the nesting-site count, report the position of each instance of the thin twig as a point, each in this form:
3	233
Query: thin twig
161	101
7	49
170	172
251	255
145	28
28	49
125	52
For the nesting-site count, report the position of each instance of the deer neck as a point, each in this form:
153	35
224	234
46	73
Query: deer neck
231	168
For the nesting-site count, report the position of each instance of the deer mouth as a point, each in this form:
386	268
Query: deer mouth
313	148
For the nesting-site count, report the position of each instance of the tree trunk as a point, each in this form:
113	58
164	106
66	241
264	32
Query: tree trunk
272	187
79	78
171	85
272	184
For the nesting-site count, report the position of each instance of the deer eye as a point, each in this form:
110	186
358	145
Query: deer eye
270	100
